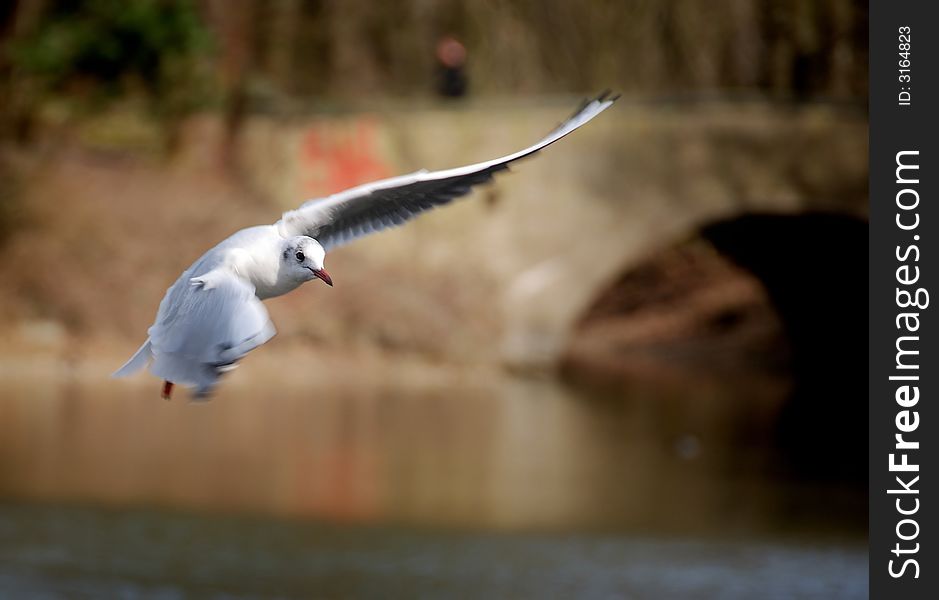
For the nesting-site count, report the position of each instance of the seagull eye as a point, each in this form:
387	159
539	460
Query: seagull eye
300	256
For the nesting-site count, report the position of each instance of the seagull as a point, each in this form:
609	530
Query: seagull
212	316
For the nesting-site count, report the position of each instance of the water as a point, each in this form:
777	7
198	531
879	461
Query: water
53	552
427	483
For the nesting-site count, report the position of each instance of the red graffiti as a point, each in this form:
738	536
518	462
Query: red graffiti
337	157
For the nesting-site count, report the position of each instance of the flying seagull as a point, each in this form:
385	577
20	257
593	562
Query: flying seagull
212	316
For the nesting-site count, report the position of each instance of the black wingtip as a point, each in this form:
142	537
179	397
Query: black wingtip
604	96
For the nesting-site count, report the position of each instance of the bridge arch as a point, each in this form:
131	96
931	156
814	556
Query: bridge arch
749	299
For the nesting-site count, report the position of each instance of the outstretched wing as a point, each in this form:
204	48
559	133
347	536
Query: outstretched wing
342	217
204	325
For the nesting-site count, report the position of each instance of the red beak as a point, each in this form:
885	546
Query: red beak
322	274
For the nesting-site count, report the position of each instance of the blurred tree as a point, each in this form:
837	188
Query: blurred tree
11	207
235	27
96	50
17	19
273	53
787	48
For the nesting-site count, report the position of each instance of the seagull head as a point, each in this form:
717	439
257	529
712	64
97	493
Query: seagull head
303	257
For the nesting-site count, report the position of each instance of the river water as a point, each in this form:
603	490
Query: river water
459	485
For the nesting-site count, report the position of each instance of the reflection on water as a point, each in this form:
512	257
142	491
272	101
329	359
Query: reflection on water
387	484
494	451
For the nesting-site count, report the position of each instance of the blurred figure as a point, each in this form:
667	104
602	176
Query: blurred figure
451	63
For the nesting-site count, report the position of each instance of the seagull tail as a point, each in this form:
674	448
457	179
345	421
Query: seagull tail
138	361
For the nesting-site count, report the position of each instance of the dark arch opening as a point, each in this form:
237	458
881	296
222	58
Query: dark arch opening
749	301
814	269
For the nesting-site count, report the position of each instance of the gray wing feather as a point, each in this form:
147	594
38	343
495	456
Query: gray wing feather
205	328
359	211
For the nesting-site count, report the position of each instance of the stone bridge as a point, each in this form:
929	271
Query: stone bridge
510	271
